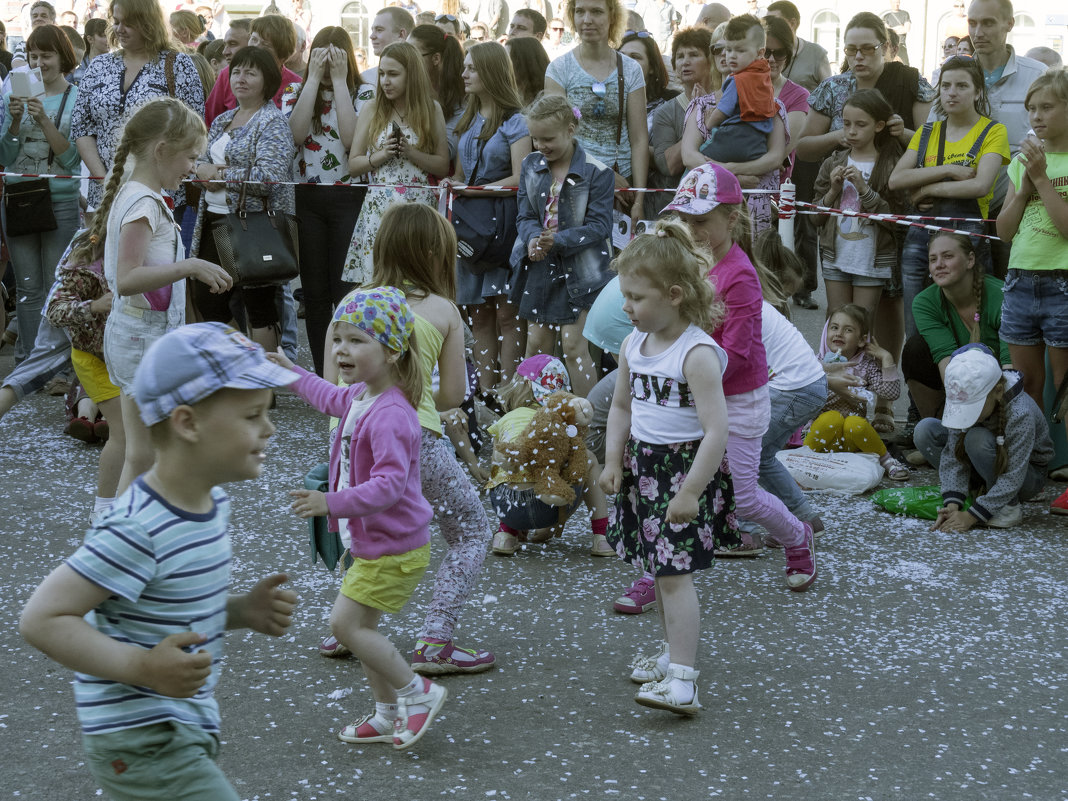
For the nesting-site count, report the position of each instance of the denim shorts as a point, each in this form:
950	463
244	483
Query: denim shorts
1035	308
128	334
521	510
834	274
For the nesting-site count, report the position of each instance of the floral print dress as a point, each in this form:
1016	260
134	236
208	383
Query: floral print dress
396	181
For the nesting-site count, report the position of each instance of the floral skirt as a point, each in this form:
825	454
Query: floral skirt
652	475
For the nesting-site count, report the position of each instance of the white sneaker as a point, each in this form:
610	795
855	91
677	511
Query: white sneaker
1007	516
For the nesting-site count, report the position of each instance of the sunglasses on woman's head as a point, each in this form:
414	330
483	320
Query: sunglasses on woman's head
636	34
599	91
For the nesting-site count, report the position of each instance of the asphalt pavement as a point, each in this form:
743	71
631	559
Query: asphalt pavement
919	665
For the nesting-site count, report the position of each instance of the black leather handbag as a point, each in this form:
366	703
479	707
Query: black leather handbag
257	247
28	204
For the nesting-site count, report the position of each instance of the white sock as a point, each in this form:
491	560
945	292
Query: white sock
682	689
414	687
100	508
664	660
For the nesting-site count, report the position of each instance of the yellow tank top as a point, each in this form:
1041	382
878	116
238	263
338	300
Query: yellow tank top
430	342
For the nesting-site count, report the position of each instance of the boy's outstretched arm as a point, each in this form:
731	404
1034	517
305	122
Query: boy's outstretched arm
265	608
53	622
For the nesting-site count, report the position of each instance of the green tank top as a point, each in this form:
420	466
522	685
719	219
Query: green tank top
430	342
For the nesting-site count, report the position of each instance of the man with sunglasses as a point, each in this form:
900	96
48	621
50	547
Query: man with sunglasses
450	24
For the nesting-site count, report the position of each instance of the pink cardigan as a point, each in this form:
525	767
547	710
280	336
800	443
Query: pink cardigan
384	503
740	333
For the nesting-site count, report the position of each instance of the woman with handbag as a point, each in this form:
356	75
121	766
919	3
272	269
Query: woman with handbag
493	143
146	66
247	146
40	215
609	91
322	118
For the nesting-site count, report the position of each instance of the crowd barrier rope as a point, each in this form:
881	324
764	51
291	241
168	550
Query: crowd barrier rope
788	206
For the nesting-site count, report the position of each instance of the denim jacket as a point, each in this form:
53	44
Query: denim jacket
582	245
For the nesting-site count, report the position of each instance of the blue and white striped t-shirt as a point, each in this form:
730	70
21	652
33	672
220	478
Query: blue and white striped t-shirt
169	572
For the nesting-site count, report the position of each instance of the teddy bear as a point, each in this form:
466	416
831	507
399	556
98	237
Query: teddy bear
553	447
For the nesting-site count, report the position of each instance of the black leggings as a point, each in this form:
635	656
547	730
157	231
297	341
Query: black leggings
917	364
261	302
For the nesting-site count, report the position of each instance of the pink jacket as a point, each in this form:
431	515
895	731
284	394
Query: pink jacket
384	503
740	333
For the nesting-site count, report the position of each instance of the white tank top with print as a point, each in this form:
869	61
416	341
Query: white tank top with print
662	410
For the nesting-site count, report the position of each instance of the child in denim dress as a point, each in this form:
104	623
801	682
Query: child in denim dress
562	252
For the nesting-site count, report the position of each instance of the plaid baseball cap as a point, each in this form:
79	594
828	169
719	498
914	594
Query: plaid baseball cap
546	374
703	188
193	362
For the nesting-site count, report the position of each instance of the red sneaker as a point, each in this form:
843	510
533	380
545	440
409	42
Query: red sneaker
1060	506
801	563
80	428
637	598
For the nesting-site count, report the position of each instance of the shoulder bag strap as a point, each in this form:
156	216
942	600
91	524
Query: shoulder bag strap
58	120
941	144
168	69
925	137
621	99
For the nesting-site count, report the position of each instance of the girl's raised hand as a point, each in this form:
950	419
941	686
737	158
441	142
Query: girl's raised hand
217	279
856	177
610	479
279	357
838	175
1033	155
308	503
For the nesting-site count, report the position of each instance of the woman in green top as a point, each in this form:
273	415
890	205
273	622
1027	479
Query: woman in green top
962	306
36	139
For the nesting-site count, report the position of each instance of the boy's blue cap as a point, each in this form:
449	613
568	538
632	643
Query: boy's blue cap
193	362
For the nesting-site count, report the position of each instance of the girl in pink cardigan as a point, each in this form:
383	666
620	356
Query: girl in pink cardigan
376	494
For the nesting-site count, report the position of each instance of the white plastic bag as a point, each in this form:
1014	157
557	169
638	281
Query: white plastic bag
852	473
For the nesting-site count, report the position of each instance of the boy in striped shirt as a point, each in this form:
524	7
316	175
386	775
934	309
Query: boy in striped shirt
139	610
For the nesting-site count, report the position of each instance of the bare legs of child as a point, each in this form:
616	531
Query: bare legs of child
111	459
405	704
541	338
668	678
139	455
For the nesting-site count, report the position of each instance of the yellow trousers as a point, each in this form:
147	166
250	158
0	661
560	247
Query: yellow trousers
832	433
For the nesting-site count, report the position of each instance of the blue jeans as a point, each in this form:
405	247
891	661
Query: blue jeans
931	436
790	410
34	258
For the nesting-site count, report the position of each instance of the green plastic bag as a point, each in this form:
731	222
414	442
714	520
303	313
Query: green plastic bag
922	502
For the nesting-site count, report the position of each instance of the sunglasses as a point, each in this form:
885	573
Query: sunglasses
967	56
637	35
865	50
779	54
599	91
446	18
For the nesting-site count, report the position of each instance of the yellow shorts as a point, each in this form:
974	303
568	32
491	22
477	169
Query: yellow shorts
93	374
387	582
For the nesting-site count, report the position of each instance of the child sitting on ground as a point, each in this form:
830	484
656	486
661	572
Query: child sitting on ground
743	117
140	609
992	440
511	487
847	350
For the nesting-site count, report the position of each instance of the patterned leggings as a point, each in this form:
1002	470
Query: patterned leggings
463	523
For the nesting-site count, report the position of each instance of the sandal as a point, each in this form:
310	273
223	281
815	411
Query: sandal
364	730
750	546
883	422
660	695
894	469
